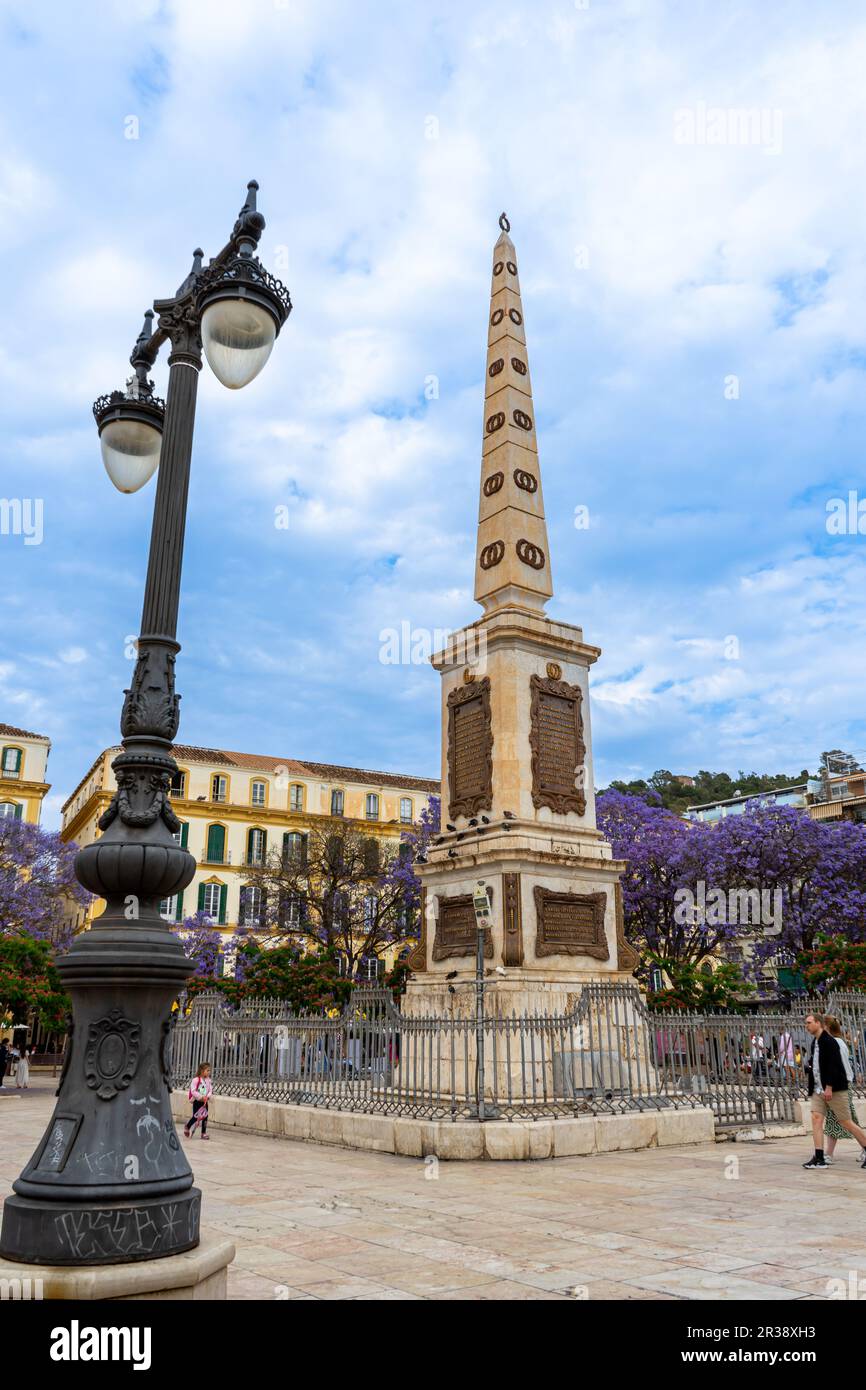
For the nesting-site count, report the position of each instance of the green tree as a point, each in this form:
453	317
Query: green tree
30	983
705	991
834	962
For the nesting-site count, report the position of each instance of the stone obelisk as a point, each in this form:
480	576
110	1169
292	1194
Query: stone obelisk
518	805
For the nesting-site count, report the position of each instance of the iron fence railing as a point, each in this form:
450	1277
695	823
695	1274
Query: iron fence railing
609	1055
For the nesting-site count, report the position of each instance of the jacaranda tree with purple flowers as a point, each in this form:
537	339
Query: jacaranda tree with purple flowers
39	893
666	856
801	878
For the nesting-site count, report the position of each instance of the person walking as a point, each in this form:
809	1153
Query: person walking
22	1075
4	1058
828	1090
200	1091
833	1131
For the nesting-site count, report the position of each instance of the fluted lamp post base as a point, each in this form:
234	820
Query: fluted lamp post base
110	1181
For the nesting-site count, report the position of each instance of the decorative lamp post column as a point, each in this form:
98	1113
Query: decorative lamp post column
109	1181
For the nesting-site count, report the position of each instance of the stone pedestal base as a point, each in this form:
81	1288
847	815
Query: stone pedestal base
196	1274
542	1038
522	992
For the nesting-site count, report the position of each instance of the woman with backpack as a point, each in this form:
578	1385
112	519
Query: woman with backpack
200	1091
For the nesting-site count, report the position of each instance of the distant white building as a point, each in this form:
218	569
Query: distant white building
735	805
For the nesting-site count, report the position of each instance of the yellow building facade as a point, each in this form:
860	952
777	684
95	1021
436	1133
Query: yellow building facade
23	769
234	808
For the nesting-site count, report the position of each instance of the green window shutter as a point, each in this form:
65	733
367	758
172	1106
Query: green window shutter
216	844
223	895
178	909
18	811
11	760
201	897
249	845
184	833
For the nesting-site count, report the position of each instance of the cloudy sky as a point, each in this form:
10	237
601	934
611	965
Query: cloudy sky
684	182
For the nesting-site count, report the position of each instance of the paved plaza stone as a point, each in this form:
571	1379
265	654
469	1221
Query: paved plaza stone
314	1222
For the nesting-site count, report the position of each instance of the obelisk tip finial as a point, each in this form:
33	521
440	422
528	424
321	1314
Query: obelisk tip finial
504	223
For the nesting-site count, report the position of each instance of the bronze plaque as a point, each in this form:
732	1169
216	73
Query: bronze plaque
470	749
512	925
570	924
455	927
556	740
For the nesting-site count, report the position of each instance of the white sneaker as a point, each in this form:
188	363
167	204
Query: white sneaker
828	1158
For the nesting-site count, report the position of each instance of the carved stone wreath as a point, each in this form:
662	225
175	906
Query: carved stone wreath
531	554
111	1056
491	555
525	480
493	484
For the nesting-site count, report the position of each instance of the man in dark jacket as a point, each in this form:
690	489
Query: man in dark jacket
4	1058
828	1090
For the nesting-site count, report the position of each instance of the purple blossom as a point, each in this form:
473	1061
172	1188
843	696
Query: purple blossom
817	868
39	893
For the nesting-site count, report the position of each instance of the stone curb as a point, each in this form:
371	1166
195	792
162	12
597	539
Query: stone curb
497	1140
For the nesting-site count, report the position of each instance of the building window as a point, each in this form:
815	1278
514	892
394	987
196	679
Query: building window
218	788
296	797
371	904
211	900
11	762
215	852
252	907
257	841
178	784
11	810
168	908
291	910
294	849
370	968
337	802
259	793
406	810
372	858
372	806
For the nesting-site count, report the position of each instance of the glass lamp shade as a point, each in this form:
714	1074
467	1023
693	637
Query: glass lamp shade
237	336
130	452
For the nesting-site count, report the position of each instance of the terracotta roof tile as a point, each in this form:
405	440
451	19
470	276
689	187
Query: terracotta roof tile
9	731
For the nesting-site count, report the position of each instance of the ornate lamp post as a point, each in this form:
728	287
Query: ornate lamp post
109	1181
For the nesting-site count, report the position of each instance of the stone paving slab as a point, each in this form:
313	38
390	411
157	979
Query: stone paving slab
313	1222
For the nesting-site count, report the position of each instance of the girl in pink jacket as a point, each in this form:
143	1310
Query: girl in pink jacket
200	1091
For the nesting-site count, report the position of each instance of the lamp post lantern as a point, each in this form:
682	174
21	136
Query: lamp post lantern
109	1181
